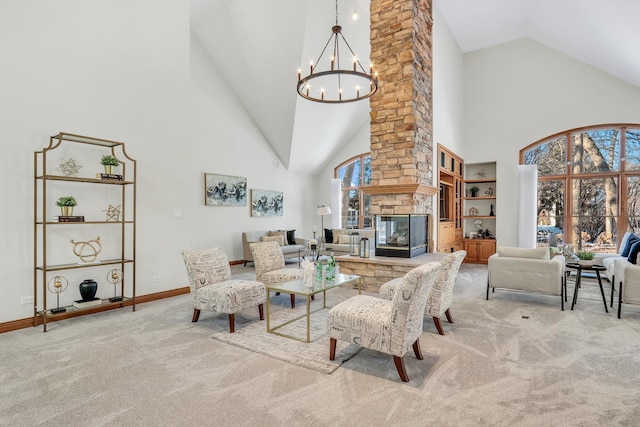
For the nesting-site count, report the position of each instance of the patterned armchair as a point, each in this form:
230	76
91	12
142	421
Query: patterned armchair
441	293
269	263
388	326
213	289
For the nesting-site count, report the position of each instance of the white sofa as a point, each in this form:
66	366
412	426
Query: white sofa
627	276
529	270
288	251
341	247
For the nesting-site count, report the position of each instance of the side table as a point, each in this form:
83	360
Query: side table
579	269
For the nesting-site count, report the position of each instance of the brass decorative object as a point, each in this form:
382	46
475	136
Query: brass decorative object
68	167
57	285
114	277
114	212
473	212
93	247
489	191
481	173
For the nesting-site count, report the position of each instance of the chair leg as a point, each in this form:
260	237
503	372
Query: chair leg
436	321
261	311
619	300
232	323
332	349
448	314
487	289
400	367
293	300
613	287
417	350
196	315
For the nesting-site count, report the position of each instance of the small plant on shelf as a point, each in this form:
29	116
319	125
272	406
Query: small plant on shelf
110	163
67	201
474	191
66	204
108	160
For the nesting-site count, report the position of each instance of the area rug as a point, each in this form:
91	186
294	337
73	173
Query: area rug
313	355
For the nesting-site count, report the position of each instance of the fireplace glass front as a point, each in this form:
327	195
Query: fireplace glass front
401	235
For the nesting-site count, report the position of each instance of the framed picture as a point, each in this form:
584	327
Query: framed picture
266	203
225	190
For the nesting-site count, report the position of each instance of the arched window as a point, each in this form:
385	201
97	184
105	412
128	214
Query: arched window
354	174
588	185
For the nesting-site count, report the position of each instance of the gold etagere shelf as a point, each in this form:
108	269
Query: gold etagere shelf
124	226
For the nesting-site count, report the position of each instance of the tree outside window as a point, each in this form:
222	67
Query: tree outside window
595	173
354	175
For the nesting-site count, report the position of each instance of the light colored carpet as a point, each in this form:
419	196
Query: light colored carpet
515	360
313	355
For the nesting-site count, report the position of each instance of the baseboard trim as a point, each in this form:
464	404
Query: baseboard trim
28	322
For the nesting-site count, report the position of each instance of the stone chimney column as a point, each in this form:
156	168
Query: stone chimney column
401	110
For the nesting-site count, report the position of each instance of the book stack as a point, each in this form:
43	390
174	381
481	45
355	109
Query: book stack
84	304
111	176
71	218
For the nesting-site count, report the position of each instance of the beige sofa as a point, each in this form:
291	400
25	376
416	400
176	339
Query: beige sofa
288	251
343	248
529	270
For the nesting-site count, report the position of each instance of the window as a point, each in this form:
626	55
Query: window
354	174
588	186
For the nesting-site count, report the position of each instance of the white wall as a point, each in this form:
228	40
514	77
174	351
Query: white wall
224	140
69	67
520	92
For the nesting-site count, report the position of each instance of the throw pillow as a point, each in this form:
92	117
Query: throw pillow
630	241
278	239
328	235
343	239
291	237
633	253
280	233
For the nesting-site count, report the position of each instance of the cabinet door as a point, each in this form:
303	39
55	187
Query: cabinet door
472	251
485	250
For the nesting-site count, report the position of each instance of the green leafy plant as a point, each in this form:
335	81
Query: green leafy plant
474	190
108	160
585	255
66	201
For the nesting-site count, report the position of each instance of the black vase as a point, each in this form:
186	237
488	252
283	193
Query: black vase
88	289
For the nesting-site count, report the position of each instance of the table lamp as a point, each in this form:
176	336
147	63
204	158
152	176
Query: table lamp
322	211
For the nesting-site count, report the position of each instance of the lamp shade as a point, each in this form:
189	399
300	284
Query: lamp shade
324	210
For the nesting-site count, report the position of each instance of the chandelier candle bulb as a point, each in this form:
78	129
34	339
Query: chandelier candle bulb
299	70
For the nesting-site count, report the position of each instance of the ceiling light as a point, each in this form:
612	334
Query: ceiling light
354	16
333	79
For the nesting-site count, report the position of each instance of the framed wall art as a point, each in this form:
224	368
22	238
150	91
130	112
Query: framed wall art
266	203
225	190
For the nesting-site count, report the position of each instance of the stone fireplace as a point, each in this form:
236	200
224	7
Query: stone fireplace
402	236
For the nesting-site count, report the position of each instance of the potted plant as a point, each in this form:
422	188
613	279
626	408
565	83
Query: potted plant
66	204
474	191
110	163
585	257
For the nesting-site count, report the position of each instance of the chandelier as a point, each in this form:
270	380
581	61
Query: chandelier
336	85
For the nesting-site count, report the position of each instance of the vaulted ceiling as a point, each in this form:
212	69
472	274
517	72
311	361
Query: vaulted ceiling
258	45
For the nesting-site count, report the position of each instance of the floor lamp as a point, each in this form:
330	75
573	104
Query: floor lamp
322	211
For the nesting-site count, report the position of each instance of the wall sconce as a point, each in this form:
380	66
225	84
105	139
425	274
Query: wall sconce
354	241
364	247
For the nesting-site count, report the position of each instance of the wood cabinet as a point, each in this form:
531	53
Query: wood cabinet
93	245
479	250
480	210
451	184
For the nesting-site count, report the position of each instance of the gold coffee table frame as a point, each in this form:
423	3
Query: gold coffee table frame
298	287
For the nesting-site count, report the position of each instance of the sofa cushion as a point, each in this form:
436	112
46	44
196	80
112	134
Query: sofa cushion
280	233
279	239
343	239
291	237
536	253
633	253
627	246
328	235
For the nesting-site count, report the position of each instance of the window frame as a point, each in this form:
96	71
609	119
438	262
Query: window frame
359	188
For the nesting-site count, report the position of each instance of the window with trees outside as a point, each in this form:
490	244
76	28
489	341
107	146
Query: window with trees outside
354	175
588	186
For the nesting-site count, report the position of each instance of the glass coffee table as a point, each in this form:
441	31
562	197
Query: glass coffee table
298	287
